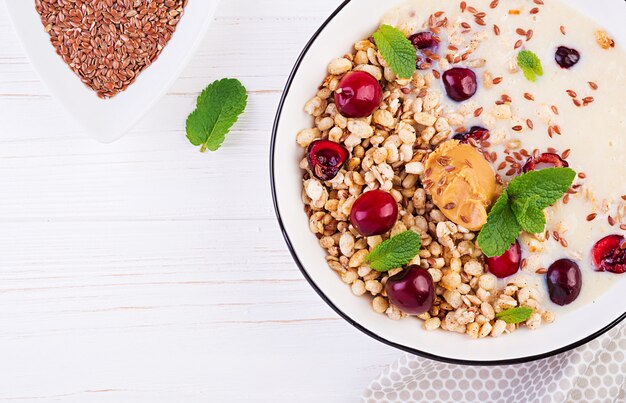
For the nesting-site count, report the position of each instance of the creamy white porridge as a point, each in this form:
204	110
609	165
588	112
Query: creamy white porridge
595	134
383	152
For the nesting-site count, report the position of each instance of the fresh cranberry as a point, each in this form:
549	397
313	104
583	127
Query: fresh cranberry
477	133
609	254
508	264
460	83
566	57
564	281
374	213
326	158
545	160
358	95
412	290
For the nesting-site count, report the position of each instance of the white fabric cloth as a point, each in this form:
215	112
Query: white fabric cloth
595	372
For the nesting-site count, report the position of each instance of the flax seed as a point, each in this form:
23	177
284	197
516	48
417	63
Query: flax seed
541	271
571	93
478	111
494	4
517	128
81	35
592	217
480	21
555	109
576	102
562	28
463	6
557	129
530	124
611	221
529	96
518	44
496	30
534	10
472	10
582	175
564	243
593	85
520	32
622	227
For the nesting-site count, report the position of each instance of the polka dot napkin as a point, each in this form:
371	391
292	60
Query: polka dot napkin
595	372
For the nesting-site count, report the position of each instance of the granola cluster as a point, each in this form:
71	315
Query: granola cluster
388	151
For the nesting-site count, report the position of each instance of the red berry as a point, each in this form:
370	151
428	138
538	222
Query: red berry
508	264
326	158
412	290
545	160
374	213
424	40
358	95
460	83
477	133
566	57
425	44
609	254
564	282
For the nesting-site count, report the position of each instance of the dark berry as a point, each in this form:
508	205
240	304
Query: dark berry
566	57
564	281
358	95
326	158
460	83
412	290
477	133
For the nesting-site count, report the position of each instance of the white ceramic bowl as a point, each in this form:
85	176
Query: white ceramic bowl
108	120
356	19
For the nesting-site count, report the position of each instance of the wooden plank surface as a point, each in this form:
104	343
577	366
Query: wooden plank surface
144	271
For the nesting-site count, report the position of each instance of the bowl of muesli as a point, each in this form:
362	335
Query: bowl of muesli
449	175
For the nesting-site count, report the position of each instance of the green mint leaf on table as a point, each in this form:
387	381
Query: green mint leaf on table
515	315
520	207
530	65
397	50
545	186
532	219
218	108
395	252
501	229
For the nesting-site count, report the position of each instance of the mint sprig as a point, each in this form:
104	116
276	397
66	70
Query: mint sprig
397	50
395	252
530	65
218	108
515	315
521	207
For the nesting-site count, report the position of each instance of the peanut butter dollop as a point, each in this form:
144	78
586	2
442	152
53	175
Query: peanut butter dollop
461	183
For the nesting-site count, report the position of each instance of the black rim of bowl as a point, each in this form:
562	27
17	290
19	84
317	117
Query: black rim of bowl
330	303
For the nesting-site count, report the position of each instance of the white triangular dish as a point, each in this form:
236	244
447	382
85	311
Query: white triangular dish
107	120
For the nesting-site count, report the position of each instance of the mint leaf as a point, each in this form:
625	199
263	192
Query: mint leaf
544	187
395	252
218	108
532	219
397	50
501	230
515	315
530	65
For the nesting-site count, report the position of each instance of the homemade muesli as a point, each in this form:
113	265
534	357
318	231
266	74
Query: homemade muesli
499	91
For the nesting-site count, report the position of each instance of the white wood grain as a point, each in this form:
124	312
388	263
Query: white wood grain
144	271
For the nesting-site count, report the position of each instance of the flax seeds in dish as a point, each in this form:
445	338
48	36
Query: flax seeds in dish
108	43
572	116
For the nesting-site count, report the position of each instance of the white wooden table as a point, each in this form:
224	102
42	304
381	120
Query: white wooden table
144	271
